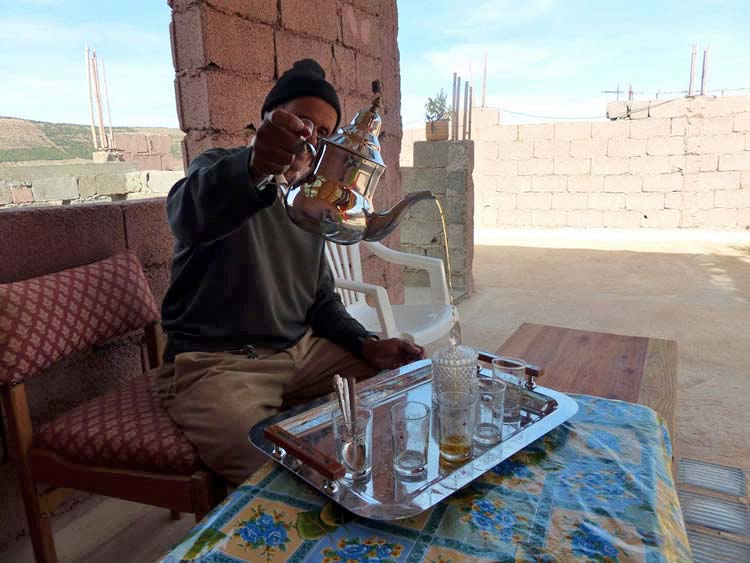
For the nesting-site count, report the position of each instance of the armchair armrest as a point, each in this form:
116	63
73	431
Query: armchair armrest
382	303
434	267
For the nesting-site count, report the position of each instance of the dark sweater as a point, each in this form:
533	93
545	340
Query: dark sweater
242	272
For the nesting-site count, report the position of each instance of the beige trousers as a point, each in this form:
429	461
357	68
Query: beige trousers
215	398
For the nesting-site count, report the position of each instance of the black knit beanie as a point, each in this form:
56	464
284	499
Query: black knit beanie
305	78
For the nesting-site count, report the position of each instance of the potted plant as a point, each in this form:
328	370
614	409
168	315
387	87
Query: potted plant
436	128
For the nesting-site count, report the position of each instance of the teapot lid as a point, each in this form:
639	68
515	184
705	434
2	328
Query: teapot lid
361	135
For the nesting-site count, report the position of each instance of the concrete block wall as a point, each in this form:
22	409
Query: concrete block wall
22	186
444	168
41	240
148	151
682	163
227	55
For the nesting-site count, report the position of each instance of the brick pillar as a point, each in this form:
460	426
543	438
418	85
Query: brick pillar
228	53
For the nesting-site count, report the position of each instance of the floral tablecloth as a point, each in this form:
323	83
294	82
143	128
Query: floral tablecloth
597	488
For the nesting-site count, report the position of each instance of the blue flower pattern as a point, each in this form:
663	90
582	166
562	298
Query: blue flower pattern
491	520
588	542
510	468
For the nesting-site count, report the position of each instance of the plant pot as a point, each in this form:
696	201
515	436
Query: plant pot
437	130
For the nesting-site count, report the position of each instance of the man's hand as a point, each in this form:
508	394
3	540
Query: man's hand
391	353
277	143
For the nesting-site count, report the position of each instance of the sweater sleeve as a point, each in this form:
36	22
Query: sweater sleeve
328	316
215	198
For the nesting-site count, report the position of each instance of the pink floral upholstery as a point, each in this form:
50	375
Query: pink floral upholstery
45	319
125	429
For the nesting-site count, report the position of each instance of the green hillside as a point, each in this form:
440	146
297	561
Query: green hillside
23	140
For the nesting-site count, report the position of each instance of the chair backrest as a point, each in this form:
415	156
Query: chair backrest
46	319
346	264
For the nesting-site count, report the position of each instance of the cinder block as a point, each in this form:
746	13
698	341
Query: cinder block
716	144
609	165
515	150
456	183
678	126
148	233
585	218
344	66
460	156
148	161
622	219
662	182
548	183
369	69
711	181
617	110
161	144
162	181
661	219
290	48
720	218
504	133
665	146
701	163
254	9
504	201
225	43
618	129
517	218
689	200
532	200
606	201
55	188
320	22
645	201
551	148
564	166
535	166
552	218
743	219
21	194
570	201
649	165
233	101
585	183
131	142
587	148
572	130
720	105
536	131
361	30
697	126
741	122
734	161
626	147
747	141
104	184
431	154
736	199
647	128
745	180
512	184
502	168
676	107
487	216
433	179
639	109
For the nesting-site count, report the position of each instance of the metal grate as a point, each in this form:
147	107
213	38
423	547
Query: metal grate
715	513
727	480
707	548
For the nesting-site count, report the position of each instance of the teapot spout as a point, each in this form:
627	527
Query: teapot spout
380	225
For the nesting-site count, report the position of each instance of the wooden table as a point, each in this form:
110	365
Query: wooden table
636	369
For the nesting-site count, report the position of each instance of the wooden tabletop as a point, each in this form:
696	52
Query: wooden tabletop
637	369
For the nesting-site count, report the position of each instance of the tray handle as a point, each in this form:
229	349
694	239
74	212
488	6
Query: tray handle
317	460
533	371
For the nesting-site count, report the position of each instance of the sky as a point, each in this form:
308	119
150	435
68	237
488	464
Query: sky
549	59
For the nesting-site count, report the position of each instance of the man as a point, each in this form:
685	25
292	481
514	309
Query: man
252	319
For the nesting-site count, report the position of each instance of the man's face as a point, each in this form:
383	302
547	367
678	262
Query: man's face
322	116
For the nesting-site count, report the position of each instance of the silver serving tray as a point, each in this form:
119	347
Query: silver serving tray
385	496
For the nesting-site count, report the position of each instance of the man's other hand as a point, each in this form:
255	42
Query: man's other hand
391	353
277	142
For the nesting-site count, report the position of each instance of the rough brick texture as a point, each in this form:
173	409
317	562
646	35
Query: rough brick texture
687	159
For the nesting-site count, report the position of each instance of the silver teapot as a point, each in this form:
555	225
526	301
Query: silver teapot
335	199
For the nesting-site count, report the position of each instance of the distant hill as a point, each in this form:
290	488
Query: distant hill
23	140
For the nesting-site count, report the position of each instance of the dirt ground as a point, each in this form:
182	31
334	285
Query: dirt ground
690	287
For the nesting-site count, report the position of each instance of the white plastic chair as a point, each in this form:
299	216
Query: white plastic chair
422	323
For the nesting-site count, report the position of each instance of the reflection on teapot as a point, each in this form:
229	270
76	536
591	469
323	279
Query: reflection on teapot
335	199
